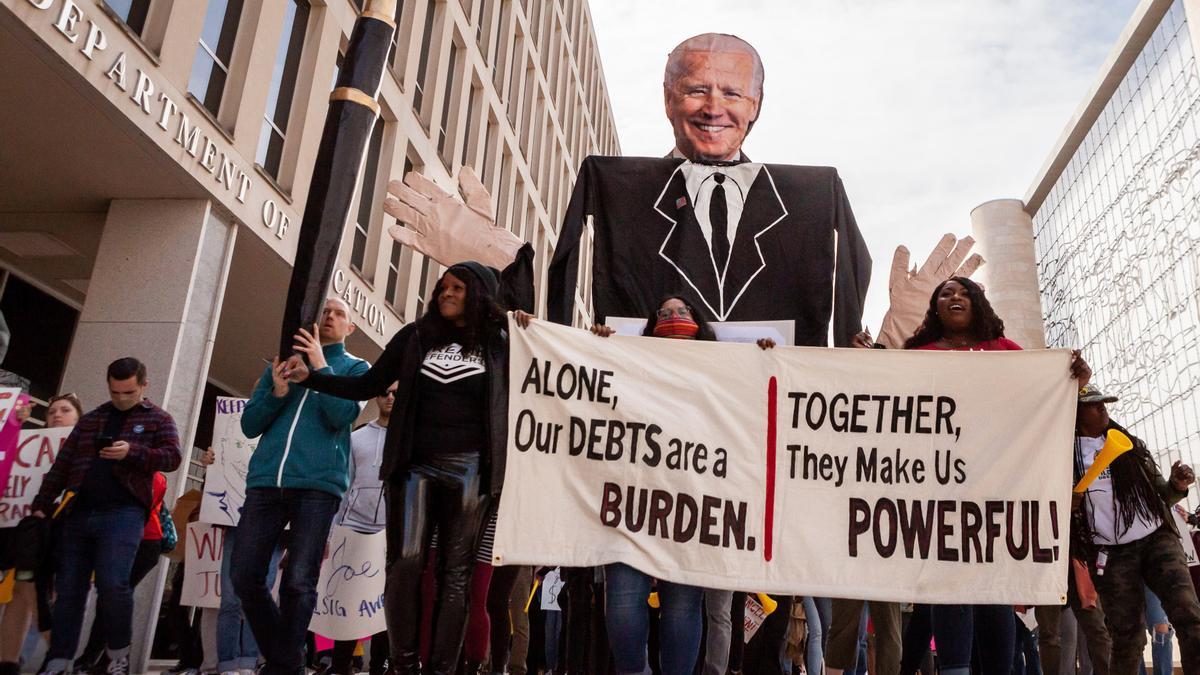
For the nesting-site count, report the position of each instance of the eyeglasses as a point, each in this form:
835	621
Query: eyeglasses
665	313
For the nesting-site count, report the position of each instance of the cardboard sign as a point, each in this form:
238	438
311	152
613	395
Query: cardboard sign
202	565
35	453
225	480
552	585
350	589
754	619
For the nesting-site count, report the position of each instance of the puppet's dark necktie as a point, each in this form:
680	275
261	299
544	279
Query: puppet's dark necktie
718	216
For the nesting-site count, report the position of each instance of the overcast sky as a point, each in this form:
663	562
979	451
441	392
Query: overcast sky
926	107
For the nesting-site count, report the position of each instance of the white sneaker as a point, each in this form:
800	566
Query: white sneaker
119	666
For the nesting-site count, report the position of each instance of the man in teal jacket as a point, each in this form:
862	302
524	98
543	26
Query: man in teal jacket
297	476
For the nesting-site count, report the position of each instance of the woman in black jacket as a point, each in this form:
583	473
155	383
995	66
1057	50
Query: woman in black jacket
444	451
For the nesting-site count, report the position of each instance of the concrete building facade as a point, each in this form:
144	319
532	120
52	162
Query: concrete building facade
156	155
1113	223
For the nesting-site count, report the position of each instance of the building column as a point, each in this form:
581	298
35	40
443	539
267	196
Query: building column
1004	235
155	294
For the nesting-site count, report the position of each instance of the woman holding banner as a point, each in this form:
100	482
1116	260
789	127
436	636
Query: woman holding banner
960	318
626	589
444	450
63	410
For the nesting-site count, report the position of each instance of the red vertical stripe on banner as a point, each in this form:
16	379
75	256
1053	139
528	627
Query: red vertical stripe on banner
769	514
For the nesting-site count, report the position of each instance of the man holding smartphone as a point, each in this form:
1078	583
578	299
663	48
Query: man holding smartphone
105	472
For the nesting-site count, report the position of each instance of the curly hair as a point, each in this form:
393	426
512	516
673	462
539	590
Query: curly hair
485	320
985	325
705	331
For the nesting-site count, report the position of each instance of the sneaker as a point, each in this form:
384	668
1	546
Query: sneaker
180	669
119	666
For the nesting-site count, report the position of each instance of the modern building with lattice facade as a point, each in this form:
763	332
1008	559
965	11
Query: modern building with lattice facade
1114	220
155	156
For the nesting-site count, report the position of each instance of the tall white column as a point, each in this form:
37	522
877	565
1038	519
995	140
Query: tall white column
1003	233
155	294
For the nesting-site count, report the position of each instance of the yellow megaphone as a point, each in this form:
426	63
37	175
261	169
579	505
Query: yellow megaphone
768	603
1115	445
653	600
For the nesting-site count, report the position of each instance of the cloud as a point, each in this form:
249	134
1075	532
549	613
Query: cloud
927	107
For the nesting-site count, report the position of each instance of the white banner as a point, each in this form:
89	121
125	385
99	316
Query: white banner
225	480
36	451
202	565
350	589
883	475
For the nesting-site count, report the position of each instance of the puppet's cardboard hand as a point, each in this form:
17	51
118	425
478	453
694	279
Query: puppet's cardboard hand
445	229
909	290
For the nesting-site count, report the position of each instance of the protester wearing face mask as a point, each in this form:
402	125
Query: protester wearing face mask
626	589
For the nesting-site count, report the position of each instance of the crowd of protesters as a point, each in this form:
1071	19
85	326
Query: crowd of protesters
427	471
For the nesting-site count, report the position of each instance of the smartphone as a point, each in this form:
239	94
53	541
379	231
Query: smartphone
103	441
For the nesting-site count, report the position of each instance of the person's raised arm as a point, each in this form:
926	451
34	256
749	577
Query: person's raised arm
369	384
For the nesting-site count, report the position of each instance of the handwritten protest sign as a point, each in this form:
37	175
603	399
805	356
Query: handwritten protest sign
202	565
9	397
35	452
753	619
10	428
875	474
552	585
350	588
225	480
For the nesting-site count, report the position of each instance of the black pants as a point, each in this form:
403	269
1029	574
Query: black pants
761	655
343	655
446	491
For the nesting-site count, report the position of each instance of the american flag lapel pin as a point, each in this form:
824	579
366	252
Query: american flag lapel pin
680	203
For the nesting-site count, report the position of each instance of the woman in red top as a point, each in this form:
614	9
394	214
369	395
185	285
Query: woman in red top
960	318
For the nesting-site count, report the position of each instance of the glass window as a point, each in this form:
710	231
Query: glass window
132	12
472	122
283	85
396	33
444	144
211	67
393	276
423	64
366	200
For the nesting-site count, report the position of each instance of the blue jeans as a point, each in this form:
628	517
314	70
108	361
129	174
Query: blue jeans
817	614
991	629
236	647
628	619
103	542
281	628
1161	649
553	628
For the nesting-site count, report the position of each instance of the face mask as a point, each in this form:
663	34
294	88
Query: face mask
676	327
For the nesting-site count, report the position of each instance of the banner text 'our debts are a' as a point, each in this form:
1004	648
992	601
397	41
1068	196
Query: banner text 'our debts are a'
881	475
